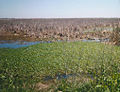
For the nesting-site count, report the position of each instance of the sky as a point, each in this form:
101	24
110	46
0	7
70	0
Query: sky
59	8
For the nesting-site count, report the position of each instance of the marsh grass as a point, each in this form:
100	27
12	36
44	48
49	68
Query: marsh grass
97	67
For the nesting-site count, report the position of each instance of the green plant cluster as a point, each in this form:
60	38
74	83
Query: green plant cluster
96	65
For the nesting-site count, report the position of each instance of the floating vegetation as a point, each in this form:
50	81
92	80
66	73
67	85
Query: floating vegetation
97	64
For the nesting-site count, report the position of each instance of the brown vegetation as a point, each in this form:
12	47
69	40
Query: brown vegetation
57	29
115	35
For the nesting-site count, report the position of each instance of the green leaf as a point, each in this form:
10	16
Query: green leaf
107	90
98	86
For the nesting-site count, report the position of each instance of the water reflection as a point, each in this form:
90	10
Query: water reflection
21	43
18	44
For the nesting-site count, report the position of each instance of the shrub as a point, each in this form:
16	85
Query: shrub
115	36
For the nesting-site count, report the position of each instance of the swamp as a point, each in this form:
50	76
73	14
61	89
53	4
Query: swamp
60	55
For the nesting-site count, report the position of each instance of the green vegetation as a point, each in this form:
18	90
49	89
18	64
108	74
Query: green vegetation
96	65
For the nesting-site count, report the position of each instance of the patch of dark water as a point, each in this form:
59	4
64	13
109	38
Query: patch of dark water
59	77
64	76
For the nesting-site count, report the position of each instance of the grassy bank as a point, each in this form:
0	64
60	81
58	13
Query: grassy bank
96	65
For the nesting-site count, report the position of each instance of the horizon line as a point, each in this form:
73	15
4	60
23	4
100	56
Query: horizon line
53	17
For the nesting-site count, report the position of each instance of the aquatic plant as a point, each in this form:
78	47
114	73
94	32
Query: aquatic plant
96	67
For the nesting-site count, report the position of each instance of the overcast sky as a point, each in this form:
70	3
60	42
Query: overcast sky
59	8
